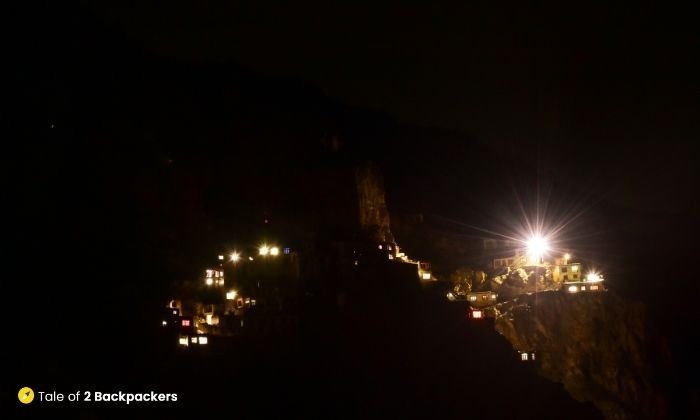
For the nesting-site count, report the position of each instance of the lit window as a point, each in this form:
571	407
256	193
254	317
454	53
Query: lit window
194	339
231	295
594	287
381	247
523	356
426	276
477	314
287	251
391	257
472	298
493	297
184	341
185	322
210	281
274	251
221	257
175	312
165	323
574	268
573	289
583	288
203	340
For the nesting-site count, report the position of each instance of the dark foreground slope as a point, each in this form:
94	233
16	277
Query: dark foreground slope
601	347
389	354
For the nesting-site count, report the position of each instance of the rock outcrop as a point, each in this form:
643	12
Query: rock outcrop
601	347
373	212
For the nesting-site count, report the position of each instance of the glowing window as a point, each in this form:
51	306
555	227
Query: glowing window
185	322
194	339
523	356
573	289
203	340
477	314
183	341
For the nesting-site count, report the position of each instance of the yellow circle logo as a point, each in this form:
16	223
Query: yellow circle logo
25	395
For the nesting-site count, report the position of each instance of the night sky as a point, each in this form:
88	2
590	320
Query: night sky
154	123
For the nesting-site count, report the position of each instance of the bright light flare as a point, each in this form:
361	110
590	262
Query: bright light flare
264	250
235	257
593	277
537	246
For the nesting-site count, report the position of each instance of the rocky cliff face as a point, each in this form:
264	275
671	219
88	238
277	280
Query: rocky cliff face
373	212
601	347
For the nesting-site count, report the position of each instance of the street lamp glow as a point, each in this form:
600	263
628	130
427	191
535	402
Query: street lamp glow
210	281
274	251
537	246
593	277
264	250
235	256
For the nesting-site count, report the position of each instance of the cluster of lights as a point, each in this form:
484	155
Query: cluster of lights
195	339
265	250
